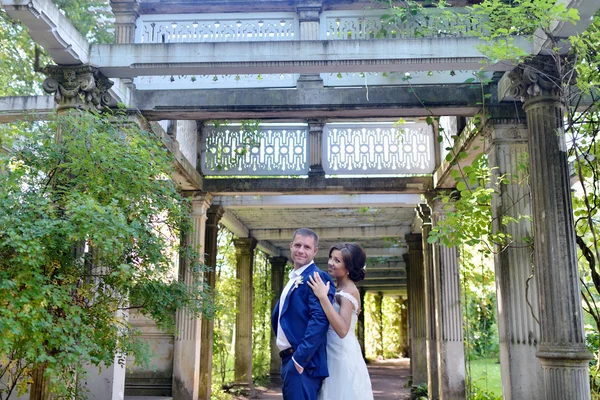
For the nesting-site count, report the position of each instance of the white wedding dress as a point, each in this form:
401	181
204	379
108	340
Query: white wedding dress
348	375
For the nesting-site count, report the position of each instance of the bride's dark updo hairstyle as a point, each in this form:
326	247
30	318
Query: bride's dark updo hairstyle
354	258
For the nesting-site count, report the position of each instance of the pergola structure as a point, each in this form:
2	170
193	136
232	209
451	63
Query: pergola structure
328	89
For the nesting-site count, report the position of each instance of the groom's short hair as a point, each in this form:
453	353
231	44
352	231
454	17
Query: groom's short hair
306	232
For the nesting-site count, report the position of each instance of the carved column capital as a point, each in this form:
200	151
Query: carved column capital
126	14
244	246
538	77
81	86
310	11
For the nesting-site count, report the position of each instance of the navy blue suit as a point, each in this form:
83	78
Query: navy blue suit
305	325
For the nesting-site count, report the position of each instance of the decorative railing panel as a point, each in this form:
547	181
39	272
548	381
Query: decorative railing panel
215	81
350	25
275	150
182	28
361	149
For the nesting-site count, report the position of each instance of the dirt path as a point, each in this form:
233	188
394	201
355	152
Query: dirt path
387	378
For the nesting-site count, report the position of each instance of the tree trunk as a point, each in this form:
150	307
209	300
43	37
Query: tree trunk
39	387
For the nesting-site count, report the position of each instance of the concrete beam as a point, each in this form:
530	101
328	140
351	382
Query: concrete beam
371	252
382	283
320	201
285	57
335	233
350	102
16	107
239	229
563	30
49	28
317	185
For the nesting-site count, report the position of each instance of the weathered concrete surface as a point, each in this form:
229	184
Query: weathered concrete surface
285	57
51	29
316	185
309	102
14	108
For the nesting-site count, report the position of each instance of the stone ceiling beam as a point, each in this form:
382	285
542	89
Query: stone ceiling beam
317	185
371	252
14	108
310	102
382	283
49	28
335	233
289	57
237	227
320	201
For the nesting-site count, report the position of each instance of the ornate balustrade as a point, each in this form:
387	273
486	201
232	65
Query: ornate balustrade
334	25
356	149
183	28
369	24
348	149
275	150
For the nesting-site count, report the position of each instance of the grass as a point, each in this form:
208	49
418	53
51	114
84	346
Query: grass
485	373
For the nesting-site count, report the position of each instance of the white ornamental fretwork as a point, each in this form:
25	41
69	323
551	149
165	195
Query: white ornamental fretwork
274	150
360	149
180	28
351	25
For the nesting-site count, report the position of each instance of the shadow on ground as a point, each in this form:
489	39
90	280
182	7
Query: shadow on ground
387	378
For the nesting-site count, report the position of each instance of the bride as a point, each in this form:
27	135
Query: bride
348	376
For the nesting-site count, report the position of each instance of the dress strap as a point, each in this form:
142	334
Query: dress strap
349	297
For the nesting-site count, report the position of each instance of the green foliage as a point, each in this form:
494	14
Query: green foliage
261	319
89	226
227	289
92	18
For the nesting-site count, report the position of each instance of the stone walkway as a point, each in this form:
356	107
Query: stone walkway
387	378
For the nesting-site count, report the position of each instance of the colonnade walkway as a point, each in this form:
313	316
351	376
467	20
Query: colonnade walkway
387	378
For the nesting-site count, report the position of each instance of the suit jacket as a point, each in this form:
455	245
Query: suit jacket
305	324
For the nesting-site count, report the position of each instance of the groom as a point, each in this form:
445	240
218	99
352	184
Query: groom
300	323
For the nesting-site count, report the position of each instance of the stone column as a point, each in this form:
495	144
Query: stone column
81	86
430	328
378	317
416	311
186	349
126	15
450	347
309	16
244	250
518	332
361	322
561	350
404	327
214	215
315	145
277	279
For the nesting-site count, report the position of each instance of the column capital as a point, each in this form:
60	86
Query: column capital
414	241
200	203
310	11
278	261
126	14
536	78
214	214
81	86
245	245
315	124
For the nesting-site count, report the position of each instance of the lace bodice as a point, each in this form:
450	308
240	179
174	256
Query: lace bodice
349	297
